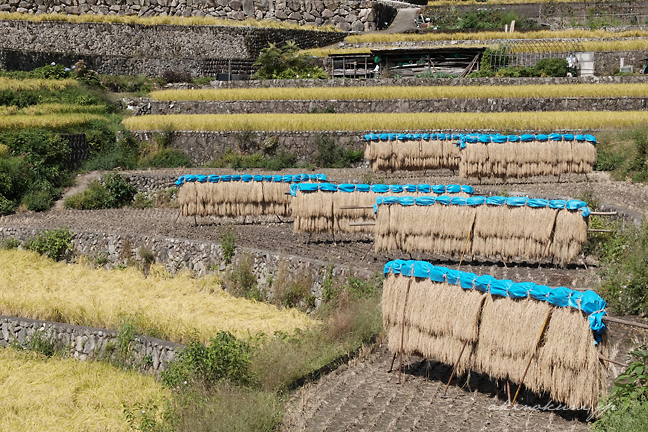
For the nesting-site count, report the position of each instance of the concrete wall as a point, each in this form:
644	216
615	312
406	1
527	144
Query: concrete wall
200	257
150	355
137	49
394	106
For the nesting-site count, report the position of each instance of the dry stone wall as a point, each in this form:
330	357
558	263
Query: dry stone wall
151	355
345	15
201	258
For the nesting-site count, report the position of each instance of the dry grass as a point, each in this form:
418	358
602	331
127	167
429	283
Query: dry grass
159	20
36	287
491	35
395	93
500	335
35	84
49	109
47	121
61	395
514	121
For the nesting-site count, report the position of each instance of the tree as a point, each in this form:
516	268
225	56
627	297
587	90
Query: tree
286	62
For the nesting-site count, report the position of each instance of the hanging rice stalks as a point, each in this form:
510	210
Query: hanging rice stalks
492	228
446	310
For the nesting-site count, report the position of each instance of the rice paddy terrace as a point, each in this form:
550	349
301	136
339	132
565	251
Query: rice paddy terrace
364	394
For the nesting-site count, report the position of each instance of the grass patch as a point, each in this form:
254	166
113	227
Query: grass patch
14	85
396	93
60	395
160	20
36	287
625	155
54	122
514	121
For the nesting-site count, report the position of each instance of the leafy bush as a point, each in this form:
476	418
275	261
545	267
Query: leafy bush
629	398
112	191
330	155
552	67
242	282
52	243
38	200
286	63
167	158
228	243
225	358
10	243
124	154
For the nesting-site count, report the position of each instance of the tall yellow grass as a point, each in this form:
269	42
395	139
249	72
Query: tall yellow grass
520	121
490	35
47	121
47	109
159	20
395	93
35	287
35	84
62	395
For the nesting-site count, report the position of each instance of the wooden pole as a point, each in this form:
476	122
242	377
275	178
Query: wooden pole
178	217
544	326
625	322
612	213
472	227
454	369
400	365
368	250
599	230
361	223
611	361
355	207
508	390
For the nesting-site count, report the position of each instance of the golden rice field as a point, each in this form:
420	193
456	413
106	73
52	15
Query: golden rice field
47	109
36	287
395	93
62	395
521	121
596	46
159	20
489	35
35	84
46	121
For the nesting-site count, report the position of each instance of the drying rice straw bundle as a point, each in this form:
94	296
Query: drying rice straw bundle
432	153
187	197
584	157
345	216
569	236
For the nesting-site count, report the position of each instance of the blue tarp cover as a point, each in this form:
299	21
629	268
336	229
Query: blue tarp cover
248	178
572	205
462	139
382	188
588	301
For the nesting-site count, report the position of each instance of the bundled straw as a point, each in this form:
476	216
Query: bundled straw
234	198
489	231
501	336
412	154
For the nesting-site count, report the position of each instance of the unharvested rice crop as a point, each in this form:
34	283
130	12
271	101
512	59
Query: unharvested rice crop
489	231
500	335
396	93
518	121
35	287
62	395
159	20
48	109
232	199
35	84
490	35
47	121
526	159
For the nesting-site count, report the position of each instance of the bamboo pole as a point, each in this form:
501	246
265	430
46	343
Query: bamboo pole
544	326
355	207
612	213
598	230
620	321
361	223
454	369
400	365
611	361
470	233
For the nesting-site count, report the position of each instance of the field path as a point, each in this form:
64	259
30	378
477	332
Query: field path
363	396
81	183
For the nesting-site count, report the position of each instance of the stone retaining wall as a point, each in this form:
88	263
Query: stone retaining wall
345	15
270	268
138	49
151	355
395	106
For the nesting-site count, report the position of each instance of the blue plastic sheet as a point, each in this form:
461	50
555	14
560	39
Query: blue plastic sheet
588	301
477	137
246	178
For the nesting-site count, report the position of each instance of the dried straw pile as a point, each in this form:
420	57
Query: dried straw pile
322	212
526	159
234	198
501	335
488	231
412	154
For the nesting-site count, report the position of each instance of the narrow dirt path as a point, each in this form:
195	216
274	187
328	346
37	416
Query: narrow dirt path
405	20
81	183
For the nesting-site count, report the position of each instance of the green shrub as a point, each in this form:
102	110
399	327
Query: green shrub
6	206
241	280
552	67
225	358
115	192
10	243
141	202
54	244
38	200
228	243
330	155
167	158
286	63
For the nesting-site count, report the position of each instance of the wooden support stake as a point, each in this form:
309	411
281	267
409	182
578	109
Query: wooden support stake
470	232
361	223
355	207
368	250
620	321
391	368
454	369
508	390
598	230
400	365
611	361
177	217
612	213
544	326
